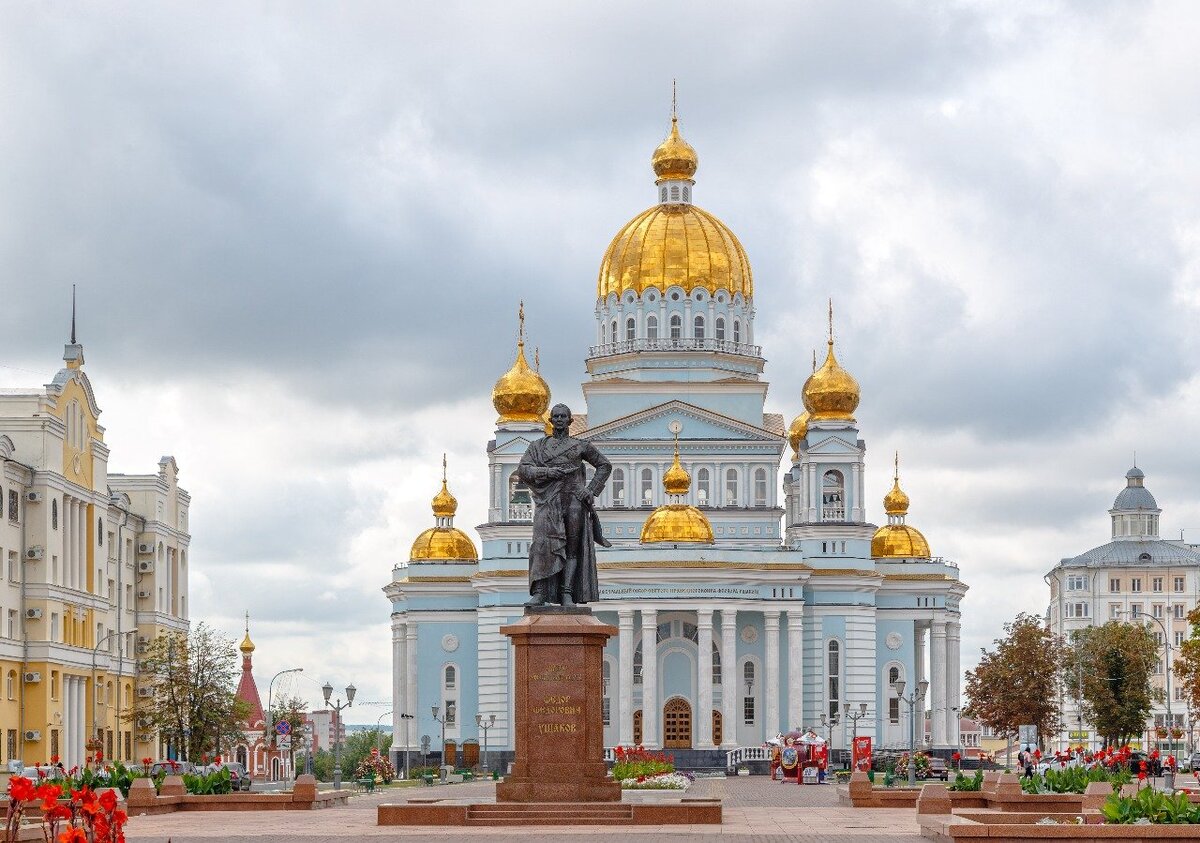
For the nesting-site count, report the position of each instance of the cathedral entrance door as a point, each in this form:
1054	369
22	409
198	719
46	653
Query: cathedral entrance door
677	724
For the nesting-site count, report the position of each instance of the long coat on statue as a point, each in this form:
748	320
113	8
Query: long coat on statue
562	525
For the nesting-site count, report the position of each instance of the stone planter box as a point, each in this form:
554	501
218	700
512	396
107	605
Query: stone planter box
652	796
171	797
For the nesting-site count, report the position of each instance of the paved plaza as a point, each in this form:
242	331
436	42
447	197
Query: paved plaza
754	808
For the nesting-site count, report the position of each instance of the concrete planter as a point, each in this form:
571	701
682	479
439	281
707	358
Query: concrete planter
652	796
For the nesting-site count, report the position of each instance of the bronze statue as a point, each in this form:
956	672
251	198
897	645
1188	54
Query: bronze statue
566	530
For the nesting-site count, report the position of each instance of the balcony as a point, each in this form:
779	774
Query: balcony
833	513
522	512
681	344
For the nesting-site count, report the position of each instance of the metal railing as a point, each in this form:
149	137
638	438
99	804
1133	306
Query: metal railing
833	513
520	512
681	344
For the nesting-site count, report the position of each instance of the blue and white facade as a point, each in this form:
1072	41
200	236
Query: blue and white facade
784	619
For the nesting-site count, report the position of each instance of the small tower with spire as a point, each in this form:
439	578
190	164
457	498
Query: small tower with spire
73	351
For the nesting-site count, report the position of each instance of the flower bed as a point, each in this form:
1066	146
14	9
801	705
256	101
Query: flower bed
635	762
88	817
662	781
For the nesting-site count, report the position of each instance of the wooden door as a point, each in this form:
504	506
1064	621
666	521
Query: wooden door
677	724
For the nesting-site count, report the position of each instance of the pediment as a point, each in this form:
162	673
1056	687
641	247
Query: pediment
832	445
698	423
517	445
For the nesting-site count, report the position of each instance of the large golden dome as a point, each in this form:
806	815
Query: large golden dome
831	393
520	394
797	432
674	242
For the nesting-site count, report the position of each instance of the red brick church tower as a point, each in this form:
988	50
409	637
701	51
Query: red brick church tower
256	752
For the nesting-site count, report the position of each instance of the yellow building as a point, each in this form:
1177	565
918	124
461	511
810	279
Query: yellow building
94	565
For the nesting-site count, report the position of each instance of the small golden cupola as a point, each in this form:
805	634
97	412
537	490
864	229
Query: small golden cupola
247	646
897	540
520	394
677	521
674	159
831	393
443	540
799	427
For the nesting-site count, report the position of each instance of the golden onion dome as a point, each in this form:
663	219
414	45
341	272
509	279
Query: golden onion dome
899	541
677	523
520	394
677	481
674	158
831	393
247	646
797	432
444	503
895	502
443	543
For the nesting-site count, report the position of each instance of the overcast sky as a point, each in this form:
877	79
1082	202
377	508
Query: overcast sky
300	232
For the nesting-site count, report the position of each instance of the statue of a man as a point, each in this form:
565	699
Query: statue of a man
562	557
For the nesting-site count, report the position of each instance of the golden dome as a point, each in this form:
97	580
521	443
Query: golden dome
797	432
677	522
899	541
674	158
677	481
444	503
520	394
831	392
247	646
679	245
443	543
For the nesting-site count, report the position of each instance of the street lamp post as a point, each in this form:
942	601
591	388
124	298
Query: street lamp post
271	712
917	699
327	689
406	718
854	717
1167	666
827	723
485	725
436	711
96	650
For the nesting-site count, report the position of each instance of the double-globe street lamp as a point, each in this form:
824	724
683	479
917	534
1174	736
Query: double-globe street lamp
271	713
915	700
485	725
437	710
327	689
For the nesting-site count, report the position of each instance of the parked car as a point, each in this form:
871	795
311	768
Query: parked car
938	769
172	768
1192	763
237	774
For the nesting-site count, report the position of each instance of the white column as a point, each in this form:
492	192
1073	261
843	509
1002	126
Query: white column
399	668
650	736
771	619
953	679
937	684
856	514
81	546
921	642
795	650
410	689
814	495
703	717
625	672
729	678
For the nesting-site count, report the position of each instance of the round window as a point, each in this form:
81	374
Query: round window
674	296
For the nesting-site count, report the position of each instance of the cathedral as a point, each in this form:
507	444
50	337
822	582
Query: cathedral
749	600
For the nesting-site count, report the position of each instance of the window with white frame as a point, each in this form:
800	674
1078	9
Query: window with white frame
630	329
703	486
618	487
1156	585
613	332
651	327
1157	610
833	666
1114	585
1135	585
676	326
737	331
647	488
731	487
698	327
1135	610
1180	637
720	328
450	696
1077	610
1179	613
1179	584
760	487
1077	582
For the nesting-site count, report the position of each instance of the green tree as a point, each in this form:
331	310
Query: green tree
292	711
1017	683
1187	664
192	677
358	745
1112	664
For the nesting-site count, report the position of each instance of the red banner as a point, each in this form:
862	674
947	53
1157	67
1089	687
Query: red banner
862	753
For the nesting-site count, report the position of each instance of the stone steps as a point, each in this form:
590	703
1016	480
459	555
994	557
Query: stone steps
549	814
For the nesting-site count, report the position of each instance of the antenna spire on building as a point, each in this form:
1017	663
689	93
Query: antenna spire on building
72	314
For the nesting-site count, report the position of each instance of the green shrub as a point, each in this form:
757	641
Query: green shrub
964	784
1150	804
208	784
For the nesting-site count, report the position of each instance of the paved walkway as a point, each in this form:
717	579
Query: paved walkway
753	808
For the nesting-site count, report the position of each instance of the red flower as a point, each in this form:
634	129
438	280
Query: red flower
1141	776
1154	753
108	800
99	756
73	835
21	789
1142	766
217	760
54	759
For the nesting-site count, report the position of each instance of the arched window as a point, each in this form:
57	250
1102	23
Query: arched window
618	487
748	706
698	327
703	486
651	327
833	496
893	676
614	331
10	685
54	513
731	487
748	675
676	326
716	664
451	677
687	193
647	491
662	194
720	328
760	487
834	665
737	331
630	329
520	502
674	193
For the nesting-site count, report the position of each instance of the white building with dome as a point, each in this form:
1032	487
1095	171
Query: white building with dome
750	598
1137	576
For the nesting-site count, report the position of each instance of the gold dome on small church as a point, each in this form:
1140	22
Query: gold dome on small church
443	540
674	159
677	522
897	540
831	393
520	394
